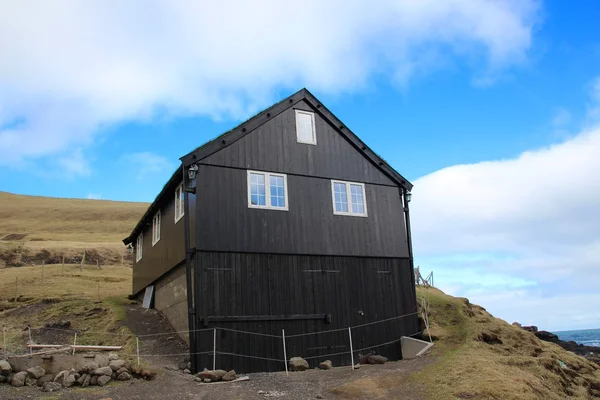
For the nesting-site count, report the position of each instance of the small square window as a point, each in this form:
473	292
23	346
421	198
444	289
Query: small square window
305	127
348	198
267	190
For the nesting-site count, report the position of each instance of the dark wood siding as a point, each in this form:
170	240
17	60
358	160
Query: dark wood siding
168	251
225	223
354	291
273	147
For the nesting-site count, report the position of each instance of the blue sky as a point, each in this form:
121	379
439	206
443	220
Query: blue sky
490	107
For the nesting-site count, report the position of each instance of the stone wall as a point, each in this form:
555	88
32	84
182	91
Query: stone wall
170	298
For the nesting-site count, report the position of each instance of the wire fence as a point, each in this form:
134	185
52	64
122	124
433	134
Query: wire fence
43	340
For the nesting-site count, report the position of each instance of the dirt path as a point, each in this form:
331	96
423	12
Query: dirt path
387	381
164	345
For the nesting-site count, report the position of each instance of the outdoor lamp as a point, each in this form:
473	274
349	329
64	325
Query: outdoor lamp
192	171
408	196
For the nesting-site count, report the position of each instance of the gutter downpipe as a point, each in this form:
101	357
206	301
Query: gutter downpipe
409	242
188	275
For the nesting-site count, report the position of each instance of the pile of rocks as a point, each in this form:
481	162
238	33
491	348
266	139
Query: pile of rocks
208	376
90	374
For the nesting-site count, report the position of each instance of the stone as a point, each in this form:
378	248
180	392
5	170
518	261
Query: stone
103	380
298	364
206	380
36	372
45	378
187	371
80	380
29	381
116	365
489	338
51	387
212	376
124	376
90	367
120	371
86	380
113	357
182	365
61	376
532	329
18	379
547	336
326	364
197	379
5	367
113	375
318	396
229	376
357	366
106	371
518	325
69	380
373	359
94	380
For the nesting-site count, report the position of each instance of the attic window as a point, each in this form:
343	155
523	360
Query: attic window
267	190
139	246
348	198
305	127
178	203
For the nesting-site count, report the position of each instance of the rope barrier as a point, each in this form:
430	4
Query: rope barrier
247	332
247	356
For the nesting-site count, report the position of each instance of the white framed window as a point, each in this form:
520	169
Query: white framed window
349	198
156	228
267	190
305	127
139	247
179	199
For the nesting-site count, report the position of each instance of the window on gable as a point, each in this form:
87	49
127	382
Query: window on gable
179	202
305	127
139	247
267	190
156	228
348	198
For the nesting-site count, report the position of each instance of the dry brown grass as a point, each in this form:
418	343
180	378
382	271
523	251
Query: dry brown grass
92	300
74	220
520	367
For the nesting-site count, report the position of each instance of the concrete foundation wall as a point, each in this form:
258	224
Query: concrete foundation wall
170	298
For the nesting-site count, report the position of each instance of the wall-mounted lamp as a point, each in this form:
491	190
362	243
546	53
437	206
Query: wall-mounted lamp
129	248
408	196
192	172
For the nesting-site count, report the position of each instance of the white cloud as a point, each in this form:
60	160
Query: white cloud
71	68
145	164
526	225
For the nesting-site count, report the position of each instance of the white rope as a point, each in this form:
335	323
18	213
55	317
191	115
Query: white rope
247	356
249	333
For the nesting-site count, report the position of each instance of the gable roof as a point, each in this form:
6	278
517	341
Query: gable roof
259	119
250	125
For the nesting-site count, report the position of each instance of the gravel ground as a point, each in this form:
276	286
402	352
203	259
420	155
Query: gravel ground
386	381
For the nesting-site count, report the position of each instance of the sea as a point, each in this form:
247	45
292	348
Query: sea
588	337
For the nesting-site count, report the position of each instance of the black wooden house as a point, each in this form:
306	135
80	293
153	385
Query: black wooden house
288	221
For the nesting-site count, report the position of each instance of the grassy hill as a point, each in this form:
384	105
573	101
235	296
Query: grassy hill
482	357
33	228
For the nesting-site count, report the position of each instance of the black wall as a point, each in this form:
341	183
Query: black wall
352	290
225	223
273	147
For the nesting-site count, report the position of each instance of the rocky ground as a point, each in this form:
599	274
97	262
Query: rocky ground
370	381
591	353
